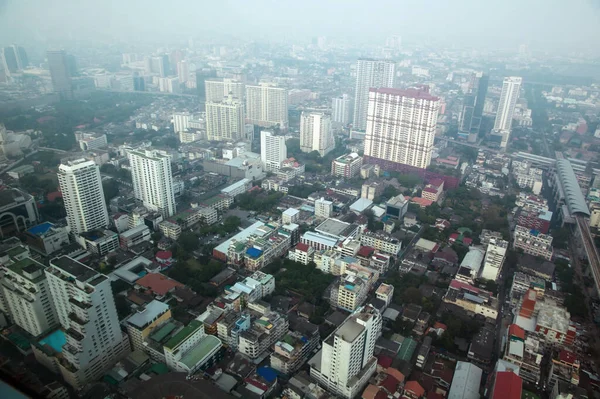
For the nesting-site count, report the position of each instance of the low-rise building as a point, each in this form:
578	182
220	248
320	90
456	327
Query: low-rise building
433	190
169	229
141	324
466	381
290	215
381	242
385	292
191	349
323	208
295	347
134	236
47	238
472	299
237	188
302	253
264	332
346	166
528	176
99	242
533	242
534	219
396	207
372	190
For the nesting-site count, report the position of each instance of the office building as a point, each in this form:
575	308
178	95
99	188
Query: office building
273	150
267	105
153	180
346	362
26	293
370	74
401	126
84	303
506	108
83	196
315	133
225	120
58	65
346	166
219	89
90	141
340	110
469	123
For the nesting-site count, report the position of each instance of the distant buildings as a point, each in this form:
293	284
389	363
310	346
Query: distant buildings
13	59
345	362
60	73
370	74
90	141
401	126
266	105
506	108
469	123
315	133
153	180
219	89
340	109
83	196
273	150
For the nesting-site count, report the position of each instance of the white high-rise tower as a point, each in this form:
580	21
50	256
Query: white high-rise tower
267	105
401	126
340	109
218	90
370	74
83	196
346	362
506	107
153	180
86	310
225	119
273	150
315	133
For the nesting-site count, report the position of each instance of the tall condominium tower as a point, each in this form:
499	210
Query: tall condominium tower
219	89
60	73
267	105
83	196
225	119
472	111
86	311
181	121
315	133
153	180
273	150
340	109
346	362
401	126
506	107
370	74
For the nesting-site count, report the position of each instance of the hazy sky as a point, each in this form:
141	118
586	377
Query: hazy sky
497	23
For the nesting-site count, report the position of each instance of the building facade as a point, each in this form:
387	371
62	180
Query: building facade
506	107
315	133
273	150
347	165
153	180
225	120
370	74
267	105
340	110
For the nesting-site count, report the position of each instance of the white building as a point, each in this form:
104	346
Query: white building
169	85
323	208
183	71
83	196
347	165
370	74
401	126
225	120
219	89
528	176
266	105
25	290
181	121
90	141
237	188
346	362
340	110
315	133
506	107
84	303
533	242
494	259
273	150
153	180
191	348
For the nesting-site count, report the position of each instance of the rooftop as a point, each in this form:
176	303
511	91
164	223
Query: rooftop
183	334
410	93
152	310
76	269
570	187
158	283
28	266
199	352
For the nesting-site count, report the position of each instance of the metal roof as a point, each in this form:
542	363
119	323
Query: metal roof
572	191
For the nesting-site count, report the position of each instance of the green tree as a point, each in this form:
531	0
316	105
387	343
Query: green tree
188	241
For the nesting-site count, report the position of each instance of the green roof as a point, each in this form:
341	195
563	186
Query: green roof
19	266
407	349
163	331
183	334
159	368
200	352
15	251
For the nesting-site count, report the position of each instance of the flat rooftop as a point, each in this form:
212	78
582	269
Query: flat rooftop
183	334
152	310
76	269
350	330
332	227
199	353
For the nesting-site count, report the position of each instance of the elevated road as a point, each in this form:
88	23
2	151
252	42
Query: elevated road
590	249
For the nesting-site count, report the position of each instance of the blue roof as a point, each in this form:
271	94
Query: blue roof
254	252
570	186
267	373
40	229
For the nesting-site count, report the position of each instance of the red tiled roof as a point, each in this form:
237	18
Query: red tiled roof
453	236
423	202
158	283
164	255
438	325
365	252
390	384
415	388
430	190
302	247
516	331
436	182
567	357
370	392
395	373
508	385
467	240
384	361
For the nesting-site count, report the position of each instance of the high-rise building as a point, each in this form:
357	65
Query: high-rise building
218	90
273	150
83	196
10	59
86	310
181	121
315	133
27	295
346	362
470	117
160	65
340	110
267	105
60	73
153	180
506	107
370	74
401	126
225	120
183	71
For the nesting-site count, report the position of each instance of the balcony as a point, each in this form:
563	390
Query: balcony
75	334
82	305
76	319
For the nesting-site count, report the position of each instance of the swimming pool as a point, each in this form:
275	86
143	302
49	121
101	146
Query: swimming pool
55	340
